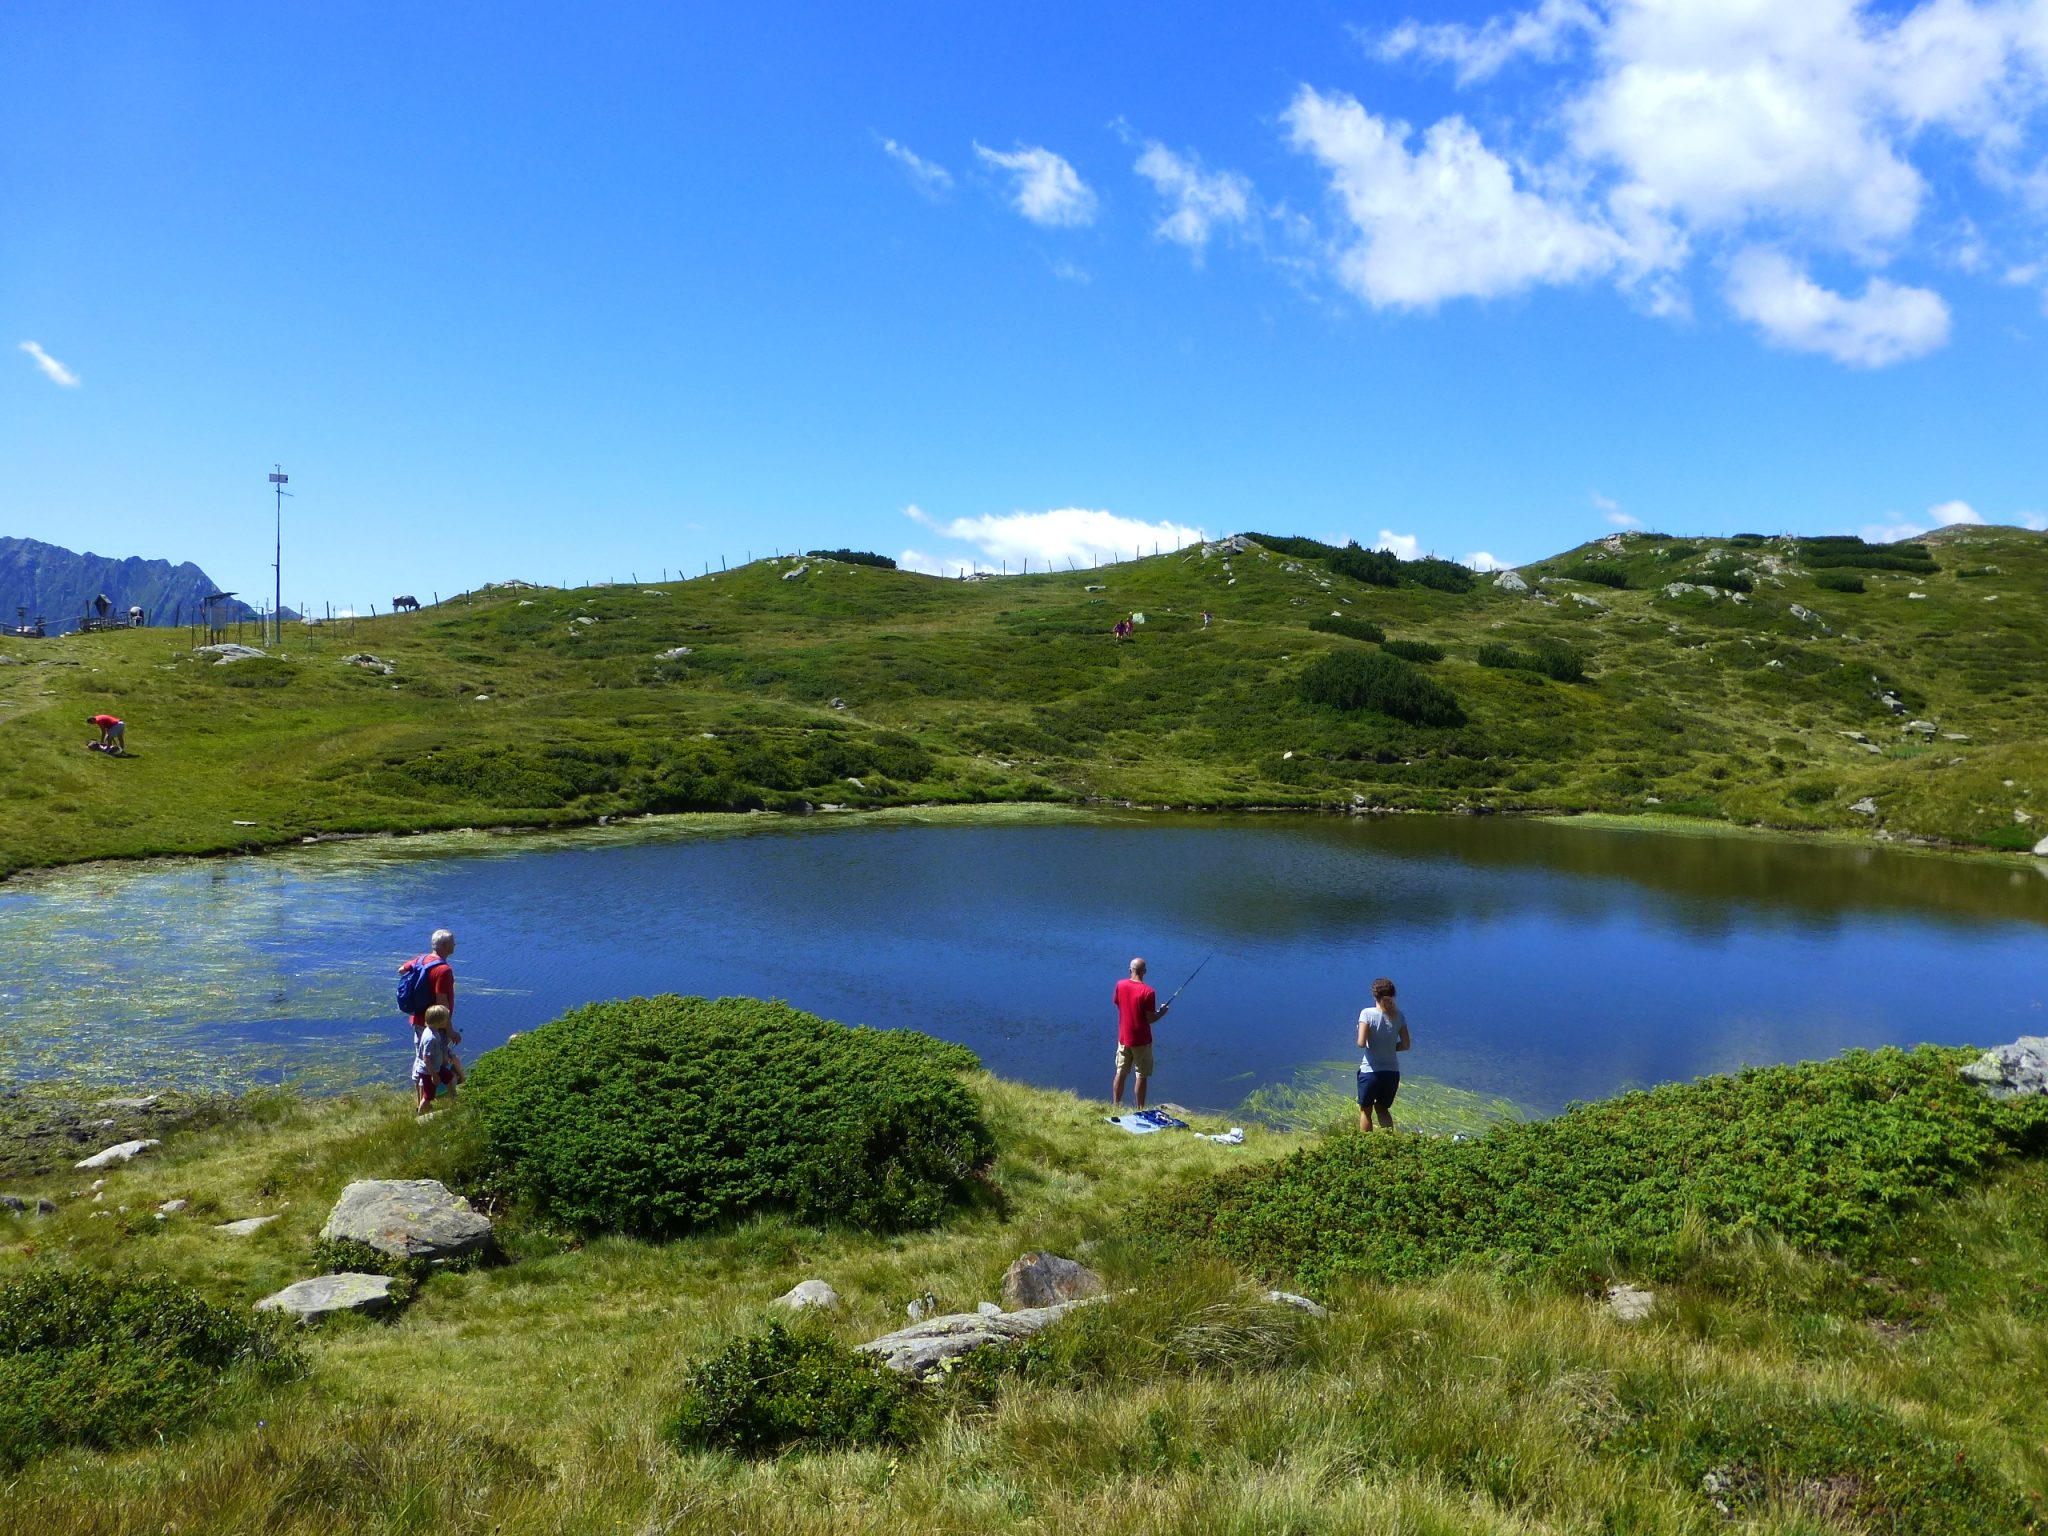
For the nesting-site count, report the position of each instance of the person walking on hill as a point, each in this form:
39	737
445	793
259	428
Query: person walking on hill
1137	1010
1382	1034
113	734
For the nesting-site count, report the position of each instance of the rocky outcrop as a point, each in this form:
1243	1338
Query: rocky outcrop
120	1152
22	1205
245	1226
1045	1279
1508	581
228	651
408	1219
924	1347
2012	1071
323	1296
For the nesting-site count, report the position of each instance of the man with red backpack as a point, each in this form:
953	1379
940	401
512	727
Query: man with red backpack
427	980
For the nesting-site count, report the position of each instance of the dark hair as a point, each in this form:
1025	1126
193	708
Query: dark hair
1382	988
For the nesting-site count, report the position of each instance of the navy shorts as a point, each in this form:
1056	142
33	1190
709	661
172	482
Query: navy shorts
1376	1090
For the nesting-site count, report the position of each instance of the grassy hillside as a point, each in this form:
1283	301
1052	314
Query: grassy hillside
855	686
1773	1389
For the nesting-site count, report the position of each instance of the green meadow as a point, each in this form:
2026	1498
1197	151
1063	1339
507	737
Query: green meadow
1729	681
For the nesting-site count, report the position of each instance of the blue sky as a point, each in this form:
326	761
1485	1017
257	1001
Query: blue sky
571	293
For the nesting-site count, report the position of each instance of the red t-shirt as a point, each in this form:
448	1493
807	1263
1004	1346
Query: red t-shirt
1135	1005
441	987
106	720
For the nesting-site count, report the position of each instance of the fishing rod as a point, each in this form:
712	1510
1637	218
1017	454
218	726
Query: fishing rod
1191	976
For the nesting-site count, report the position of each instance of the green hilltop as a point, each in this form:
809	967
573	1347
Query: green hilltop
1744	679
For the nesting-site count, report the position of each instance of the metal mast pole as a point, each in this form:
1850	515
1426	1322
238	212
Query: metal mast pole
277	483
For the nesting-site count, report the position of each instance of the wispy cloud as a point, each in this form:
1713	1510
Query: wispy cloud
1198	201
1480	560
1071	272
1405	545
1043	187
1942	514
1609	508
53	370
1048	539
929	177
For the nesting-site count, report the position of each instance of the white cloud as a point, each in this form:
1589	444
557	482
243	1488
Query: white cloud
1609	508
1043	187
1050	539
1942	514
53	370
1445	222
1676	126
1199	200
1405	545
1480	560
1071	272
2034	520
927	176
1945	513
1888	323
1479	52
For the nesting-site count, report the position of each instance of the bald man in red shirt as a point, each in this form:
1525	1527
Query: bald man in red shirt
1137	1010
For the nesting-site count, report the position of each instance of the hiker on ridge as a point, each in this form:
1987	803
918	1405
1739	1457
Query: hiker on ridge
1137	1010
1382	1033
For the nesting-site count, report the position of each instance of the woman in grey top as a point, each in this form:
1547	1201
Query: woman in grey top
1382	1032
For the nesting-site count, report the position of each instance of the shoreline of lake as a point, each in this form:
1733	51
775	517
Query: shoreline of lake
1003	811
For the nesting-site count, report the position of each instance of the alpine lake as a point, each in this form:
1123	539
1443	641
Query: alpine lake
1539	962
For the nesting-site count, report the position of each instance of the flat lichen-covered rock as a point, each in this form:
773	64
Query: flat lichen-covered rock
923	1347
325	1295
408	1219
1042	1279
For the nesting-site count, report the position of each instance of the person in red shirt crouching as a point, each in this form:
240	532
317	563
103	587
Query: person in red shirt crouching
1137	1010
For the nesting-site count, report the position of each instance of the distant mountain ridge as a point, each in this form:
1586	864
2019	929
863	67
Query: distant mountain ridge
59	584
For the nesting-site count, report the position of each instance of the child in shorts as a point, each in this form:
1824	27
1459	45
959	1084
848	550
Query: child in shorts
433	1060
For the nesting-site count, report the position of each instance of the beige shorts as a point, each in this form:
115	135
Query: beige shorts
1134	1057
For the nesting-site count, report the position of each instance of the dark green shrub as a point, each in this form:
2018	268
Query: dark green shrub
1354	629
1601	575
1847	550
1837	581
1746	540
1289	544
1439	575
1827	1154
1376	567
1810	794
1497	653
100	1360
783	1387
1680	550
854	557
1376	681
1413	650
656	1115
1558	659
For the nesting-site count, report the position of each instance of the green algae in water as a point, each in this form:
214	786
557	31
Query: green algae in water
1324	1094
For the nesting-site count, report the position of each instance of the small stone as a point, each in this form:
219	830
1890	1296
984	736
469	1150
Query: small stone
245	1226
1628	1304
149	1101
120	1152
1924	727
245	823
170	1207
807	1294
323	1296
922	1307
46	1207
14	1203
1289	1299
1865	807
674	653
988	1309
1041	1279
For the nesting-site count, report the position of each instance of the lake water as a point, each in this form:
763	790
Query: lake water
1538	961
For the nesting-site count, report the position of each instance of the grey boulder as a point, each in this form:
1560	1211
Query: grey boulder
1508	581
408	1219
1301	1303
324	1295
245	1226
2041	849
1630	1304
806	1294
924	1347
1043	1279
2012	1071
